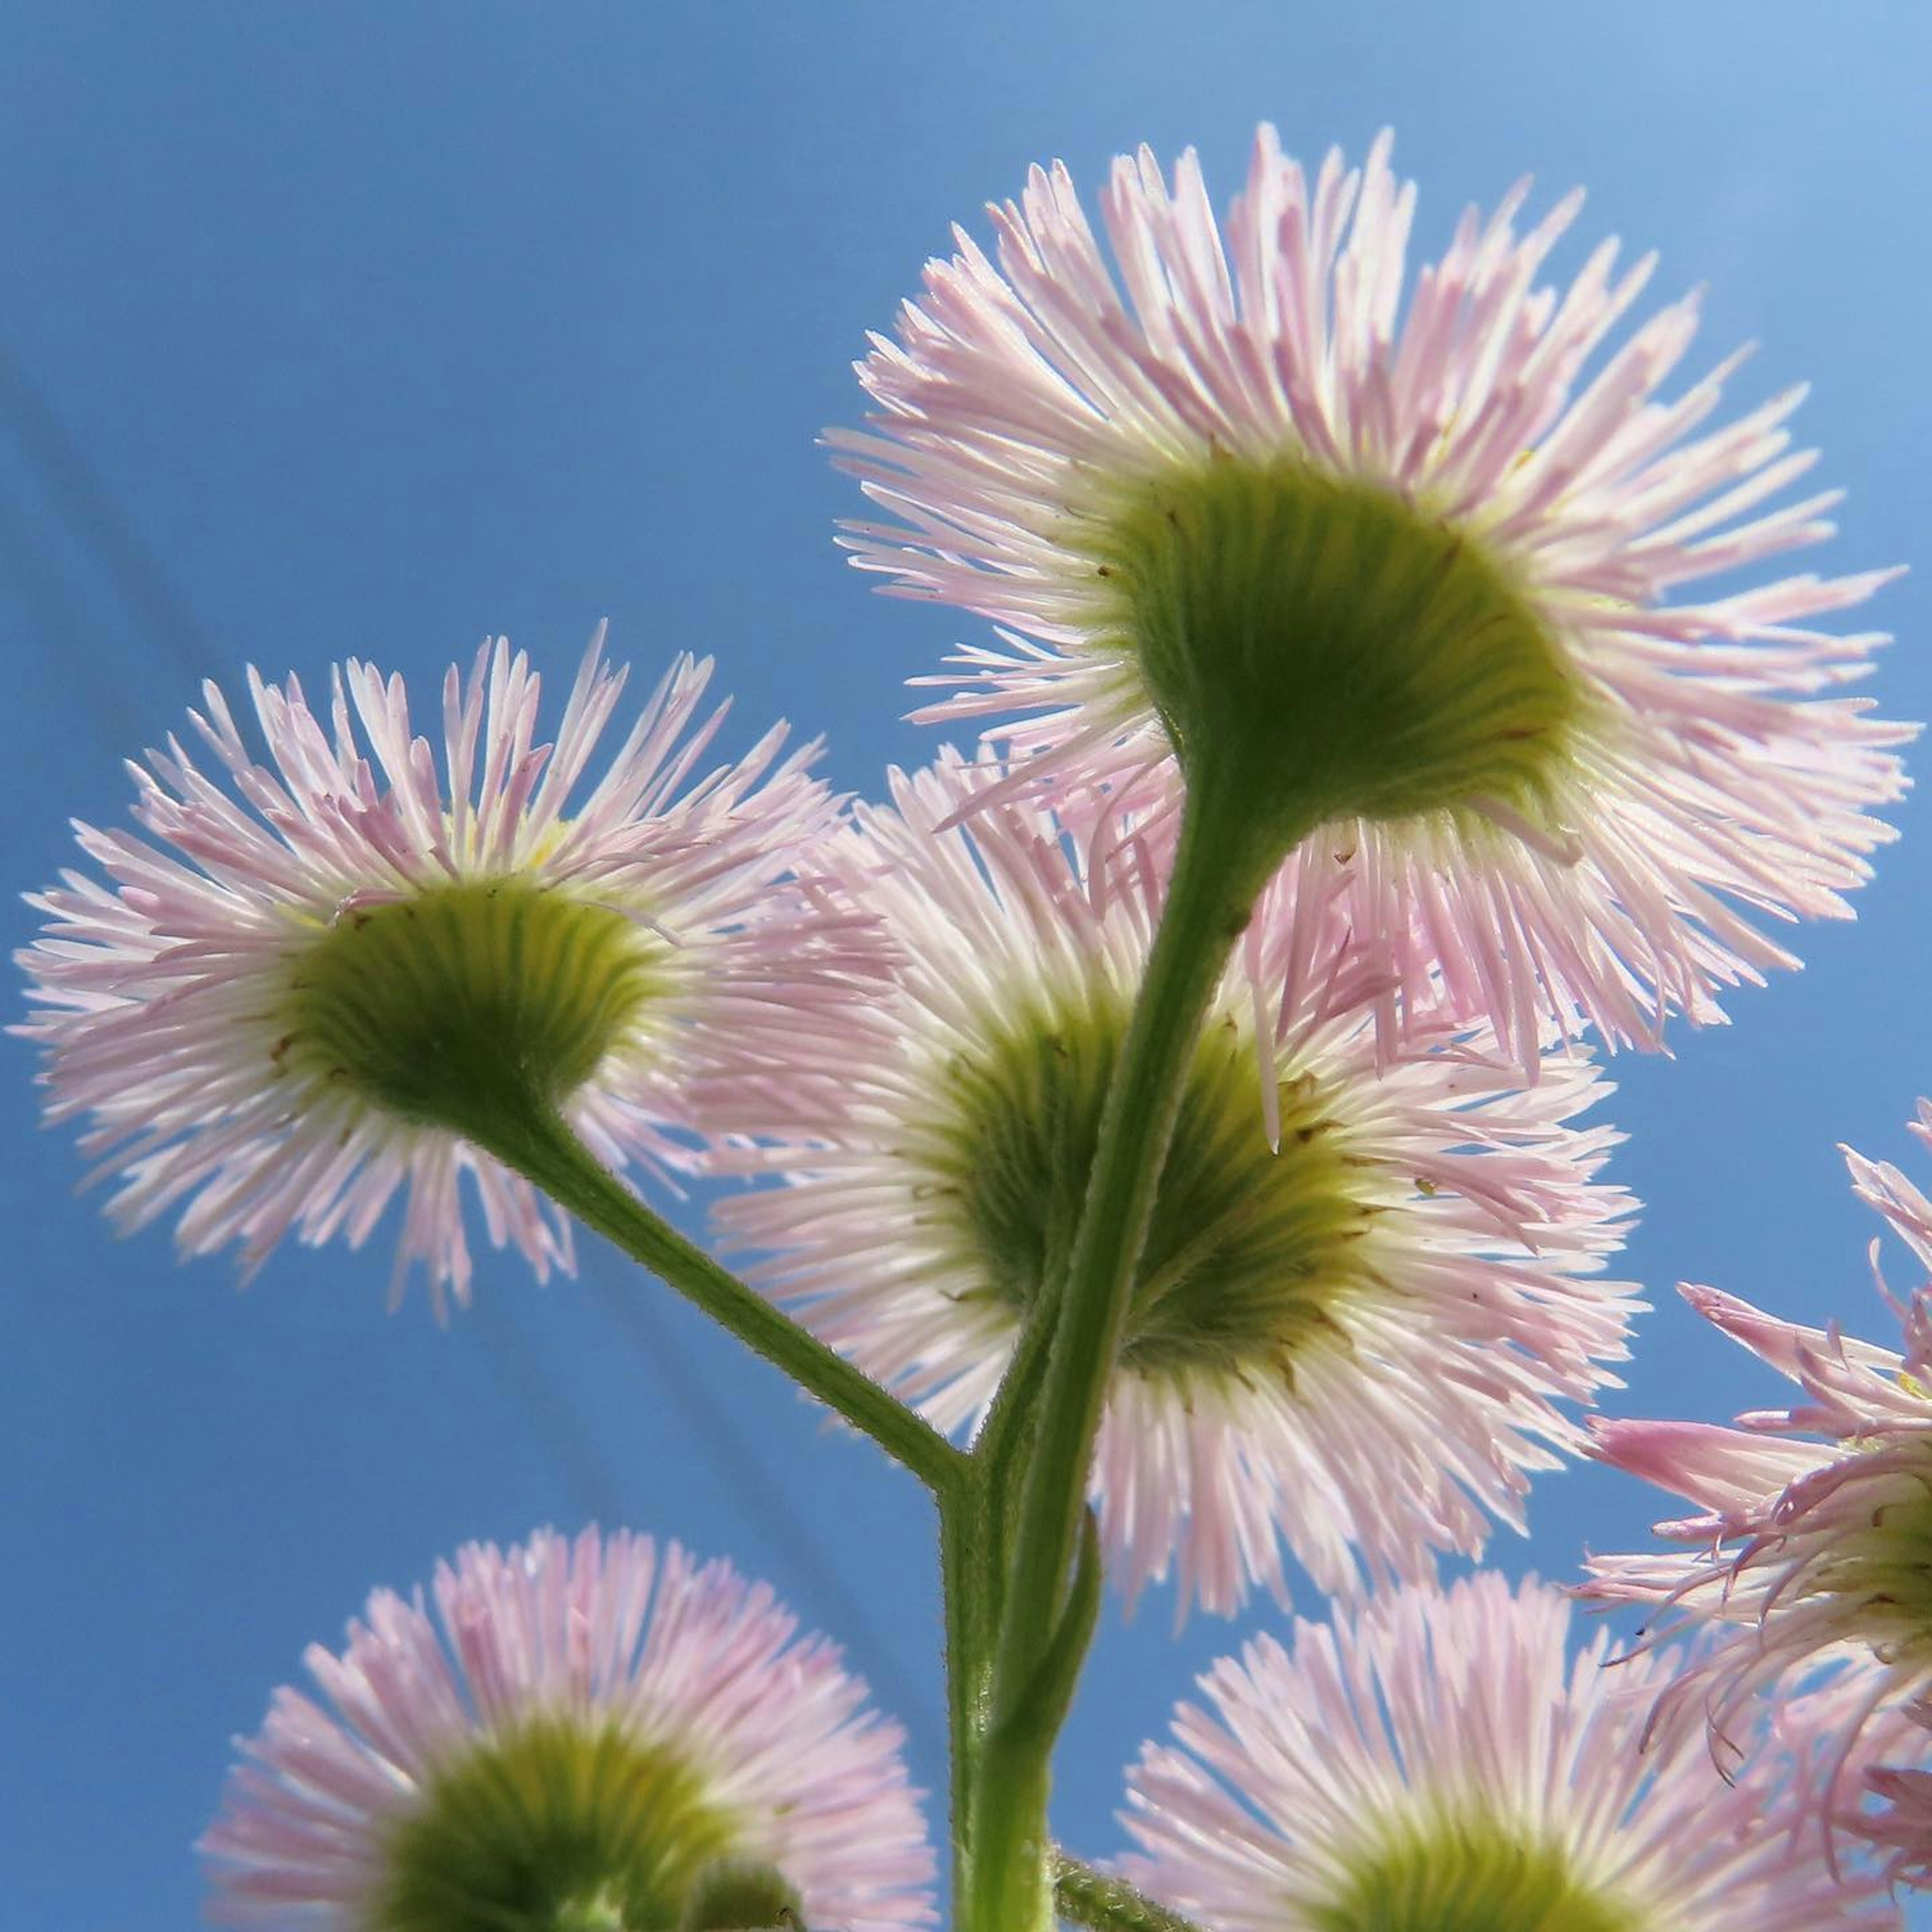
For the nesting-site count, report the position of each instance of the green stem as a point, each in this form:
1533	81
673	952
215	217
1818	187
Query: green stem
539	1144
1045	1613
1202	919
976	1523
1009	1888
1090	1897
969	1571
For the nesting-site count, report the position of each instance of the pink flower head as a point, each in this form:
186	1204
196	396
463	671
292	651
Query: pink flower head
1711	774
1440	1760
1812	1538
596	1724
1367	1292
624	924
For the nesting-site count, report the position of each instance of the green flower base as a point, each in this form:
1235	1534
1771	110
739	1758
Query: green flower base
1326	650
1482	1878
556	1827
1249	1249
441	1007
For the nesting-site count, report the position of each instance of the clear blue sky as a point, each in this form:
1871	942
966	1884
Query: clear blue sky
376	328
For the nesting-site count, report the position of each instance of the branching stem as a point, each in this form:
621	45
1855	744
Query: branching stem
1036	1453
1090	1897
540	1145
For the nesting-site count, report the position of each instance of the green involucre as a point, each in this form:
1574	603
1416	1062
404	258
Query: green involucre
1329	650
1486	1877
1249	1249
555	1826
741	1895
1883	1568
449	1005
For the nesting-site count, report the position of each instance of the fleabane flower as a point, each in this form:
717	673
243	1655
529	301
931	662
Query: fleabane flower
1406	587
1812	1540
1367	1290
1440	1763
602	1737
307	987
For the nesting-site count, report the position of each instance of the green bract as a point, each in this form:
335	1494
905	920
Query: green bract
1249	1249
555	1828
446	1006
1483	1878
741	1895
1884	1572
1329	650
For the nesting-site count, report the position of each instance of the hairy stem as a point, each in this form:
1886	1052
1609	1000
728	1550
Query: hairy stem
1198	927
969	1571
1090	1897
1046	1602
540	1145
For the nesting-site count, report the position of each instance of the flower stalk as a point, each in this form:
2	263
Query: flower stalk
1086	1897
1202	918
1043	1449
538	1143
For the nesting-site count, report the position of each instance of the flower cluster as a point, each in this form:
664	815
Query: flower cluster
1361	655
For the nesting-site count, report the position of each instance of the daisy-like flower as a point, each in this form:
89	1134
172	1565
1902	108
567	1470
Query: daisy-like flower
1354	1342
313	987
602	1738
1441	1764
1812	1538
1403	589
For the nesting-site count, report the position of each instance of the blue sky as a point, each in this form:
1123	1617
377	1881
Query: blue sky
342	329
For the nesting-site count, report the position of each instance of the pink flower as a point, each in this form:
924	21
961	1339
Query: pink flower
1355	1344
1314	458
1812	1538
1440	1760
595	1728
270	1011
